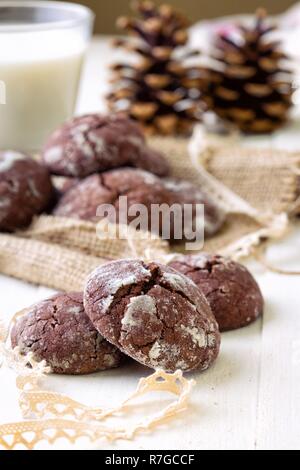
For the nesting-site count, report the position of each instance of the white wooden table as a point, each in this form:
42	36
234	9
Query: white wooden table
250	399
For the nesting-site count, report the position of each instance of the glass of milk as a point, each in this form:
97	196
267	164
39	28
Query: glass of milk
42	45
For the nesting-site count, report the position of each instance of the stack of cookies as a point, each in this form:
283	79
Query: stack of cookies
91	161
162	316
149	312
97	160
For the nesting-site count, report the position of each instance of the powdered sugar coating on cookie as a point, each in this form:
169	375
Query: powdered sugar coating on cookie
7	161
58	331
25	189
157	316
232	292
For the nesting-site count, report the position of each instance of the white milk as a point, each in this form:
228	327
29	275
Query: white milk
39	73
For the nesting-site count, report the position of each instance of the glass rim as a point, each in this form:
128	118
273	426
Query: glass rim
84	15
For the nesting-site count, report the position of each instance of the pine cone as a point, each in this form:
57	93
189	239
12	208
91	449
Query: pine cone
248	86
159	90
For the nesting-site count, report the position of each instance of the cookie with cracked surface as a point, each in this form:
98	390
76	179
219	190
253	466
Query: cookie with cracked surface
58	331
140	187
25	189
94	143
153	314
231	290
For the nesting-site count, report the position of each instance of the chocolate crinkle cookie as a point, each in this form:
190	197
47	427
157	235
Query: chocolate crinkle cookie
25	190
83	200
153	314
232	292
94	143
58	331
140	187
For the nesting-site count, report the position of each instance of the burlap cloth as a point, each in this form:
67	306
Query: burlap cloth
257	189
